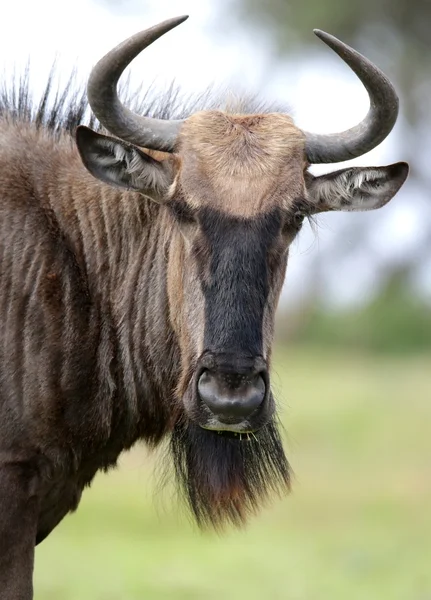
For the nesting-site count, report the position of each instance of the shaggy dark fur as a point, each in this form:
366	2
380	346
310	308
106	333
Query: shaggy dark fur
225	478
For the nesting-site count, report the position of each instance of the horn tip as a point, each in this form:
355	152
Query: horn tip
174	22
322	34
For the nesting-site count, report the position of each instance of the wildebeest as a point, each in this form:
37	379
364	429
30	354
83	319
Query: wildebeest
139	280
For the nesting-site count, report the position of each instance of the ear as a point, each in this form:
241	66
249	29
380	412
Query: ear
123	165
357	188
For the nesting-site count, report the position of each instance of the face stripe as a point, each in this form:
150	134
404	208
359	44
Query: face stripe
236	290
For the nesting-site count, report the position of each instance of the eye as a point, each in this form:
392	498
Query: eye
297	219
293	223
185	218
183	214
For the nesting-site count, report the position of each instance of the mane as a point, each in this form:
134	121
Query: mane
60	110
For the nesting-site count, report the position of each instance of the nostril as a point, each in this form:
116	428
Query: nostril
228	401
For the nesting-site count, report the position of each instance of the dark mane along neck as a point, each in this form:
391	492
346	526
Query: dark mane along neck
122	242
118	243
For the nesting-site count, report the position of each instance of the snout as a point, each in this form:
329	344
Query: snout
232	397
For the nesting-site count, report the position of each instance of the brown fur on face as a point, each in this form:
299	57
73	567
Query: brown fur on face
241	164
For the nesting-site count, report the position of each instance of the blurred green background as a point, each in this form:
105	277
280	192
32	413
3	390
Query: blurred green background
352	365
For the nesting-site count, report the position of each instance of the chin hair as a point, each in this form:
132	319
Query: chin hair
225	478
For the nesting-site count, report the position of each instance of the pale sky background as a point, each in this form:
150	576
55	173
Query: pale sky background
322	92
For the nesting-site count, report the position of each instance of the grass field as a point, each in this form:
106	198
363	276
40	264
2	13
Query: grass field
357	524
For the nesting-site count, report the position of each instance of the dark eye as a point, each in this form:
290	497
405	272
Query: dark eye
293	223
297	219
183	214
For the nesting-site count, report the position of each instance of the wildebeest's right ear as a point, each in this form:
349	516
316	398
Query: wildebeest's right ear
121	164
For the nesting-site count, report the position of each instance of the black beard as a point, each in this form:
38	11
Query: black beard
225	478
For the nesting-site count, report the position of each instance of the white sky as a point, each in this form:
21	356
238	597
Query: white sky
324	95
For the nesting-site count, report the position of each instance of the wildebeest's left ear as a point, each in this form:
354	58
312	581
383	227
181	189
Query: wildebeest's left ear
123	165
357	188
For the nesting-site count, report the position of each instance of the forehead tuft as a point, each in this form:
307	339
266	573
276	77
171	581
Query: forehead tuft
241	164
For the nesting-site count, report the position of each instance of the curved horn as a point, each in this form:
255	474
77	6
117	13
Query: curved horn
381	117
156	134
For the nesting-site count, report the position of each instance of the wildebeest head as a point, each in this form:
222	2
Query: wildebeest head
237	188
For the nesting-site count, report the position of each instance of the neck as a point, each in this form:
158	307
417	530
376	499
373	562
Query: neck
121	240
